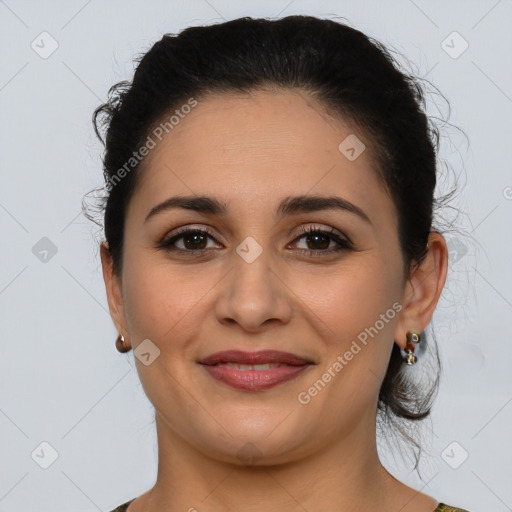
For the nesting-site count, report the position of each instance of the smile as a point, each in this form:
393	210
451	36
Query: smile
254	377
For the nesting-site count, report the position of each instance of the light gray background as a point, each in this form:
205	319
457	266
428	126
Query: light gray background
62	381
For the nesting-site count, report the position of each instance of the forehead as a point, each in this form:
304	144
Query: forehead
252	150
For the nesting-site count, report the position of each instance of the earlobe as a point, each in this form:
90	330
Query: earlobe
423	289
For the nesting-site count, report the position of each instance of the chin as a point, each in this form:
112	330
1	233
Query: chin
255	440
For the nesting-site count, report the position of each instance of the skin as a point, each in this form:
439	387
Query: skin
251	151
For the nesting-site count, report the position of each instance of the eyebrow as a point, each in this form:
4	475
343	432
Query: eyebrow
288	206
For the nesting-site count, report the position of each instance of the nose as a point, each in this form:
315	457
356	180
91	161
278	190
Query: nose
254	293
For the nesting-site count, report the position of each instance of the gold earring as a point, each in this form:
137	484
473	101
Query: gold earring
121	345
413	338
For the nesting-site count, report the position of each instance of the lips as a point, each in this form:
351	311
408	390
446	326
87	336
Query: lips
254	371
253	358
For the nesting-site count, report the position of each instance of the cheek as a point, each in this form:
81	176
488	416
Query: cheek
158	301
353	297
356	310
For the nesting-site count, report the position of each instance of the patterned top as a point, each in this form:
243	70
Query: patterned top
442	507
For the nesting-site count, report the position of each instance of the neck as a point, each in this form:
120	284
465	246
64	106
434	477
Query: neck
346	472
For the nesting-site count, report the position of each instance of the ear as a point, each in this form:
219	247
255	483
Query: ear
114	290
423	289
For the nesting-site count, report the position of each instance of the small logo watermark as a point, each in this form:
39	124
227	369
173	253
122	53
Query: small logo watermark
456	250
454	45
249	454
249	249
351	147
44	455
44	250
454	455
146	352
44	45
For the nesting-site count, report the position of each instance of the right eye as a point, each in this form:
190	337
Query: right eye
193	240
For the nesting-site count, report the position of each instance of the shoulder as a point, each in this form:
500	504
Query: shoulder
442	507
448	508
124	506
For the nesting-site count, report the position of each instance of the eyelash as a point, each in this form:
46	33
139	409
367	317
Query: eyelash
343	243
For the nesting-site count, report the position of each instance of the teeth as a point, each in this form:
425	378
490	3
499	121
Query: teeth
266	366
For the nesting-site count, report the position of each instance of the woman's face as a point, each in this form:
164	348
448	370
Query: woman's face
257	282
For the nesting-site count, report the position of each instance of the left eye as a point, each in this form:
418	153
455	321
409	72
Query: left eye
194	240
324	239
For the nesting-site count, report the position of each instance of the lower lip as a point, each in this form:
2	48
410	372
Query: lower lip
254	380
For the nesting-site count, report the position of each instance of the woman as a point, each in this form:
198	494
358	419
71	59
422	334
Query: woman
270	258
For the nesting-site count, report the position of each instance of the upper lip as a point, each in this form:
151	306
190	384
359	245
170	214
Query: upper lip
260	357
